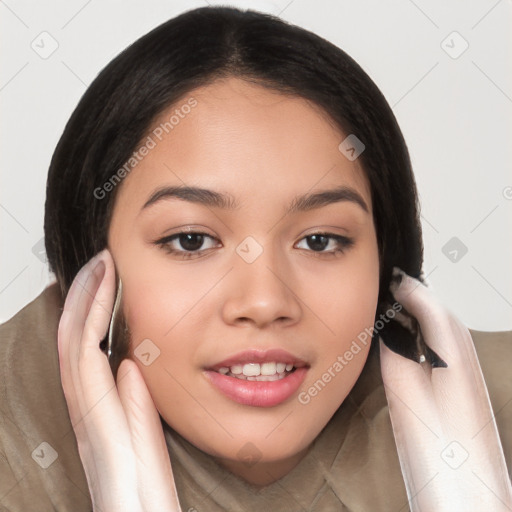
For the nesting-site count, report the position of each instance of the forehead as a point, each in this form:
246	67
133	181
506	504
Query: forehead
242	137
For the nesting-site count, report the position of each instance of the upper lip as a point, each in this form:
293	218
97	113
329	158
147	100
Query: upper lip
259	356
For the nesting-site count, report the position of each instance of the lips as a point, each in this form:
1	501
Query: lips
246	377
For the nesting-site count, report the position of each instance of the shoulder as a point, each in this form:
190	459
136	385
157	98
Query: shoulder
28	350
39	460
494	351
34	316
371	430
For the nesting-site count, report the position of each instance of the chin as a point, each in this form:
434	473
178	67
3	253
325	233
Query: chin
259	446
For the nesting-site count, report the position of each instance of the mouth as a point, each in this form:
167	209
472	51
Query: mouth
258	379
259	372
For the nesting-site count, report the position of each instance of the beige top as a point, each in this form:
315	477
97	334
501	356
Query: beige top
351	466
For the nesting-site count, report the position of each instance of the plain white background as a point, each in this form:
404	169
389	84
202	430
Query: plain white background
445	67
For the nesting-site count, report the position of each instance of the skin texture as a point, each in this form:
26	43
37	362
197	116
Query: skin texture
264	149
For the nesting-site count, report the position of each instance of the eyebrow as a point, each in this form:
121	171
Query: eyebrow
215	199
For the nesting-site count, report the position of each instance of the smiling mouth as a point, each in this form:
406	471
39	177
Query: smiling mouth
264	372
258	378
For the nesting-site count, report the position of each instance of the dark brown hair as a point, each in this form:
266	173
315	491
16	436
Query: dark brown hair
192	50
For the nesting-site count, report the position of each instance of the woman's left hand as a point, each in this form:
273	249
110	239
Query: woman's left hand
117	427
447	441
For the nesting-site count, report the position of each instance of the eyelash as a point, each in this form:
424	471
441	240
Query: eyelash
343	243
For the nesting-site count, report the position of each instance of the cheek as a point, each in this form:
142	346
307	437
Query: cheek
153	312
157	297
161	342
347	301
168	306
348	313
356	303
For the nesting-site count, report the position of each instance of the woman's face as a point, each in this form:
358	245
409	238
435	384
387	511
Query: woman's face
258	279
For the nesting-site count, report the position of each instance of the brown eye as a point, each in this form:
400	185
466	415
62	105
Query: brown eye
186	243
318	242
191	241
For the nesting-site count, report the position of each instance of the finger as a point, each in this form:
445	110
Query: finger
156	481
86	375
418	428
93	372
99	315
95	388
76	308
416	424
459	389
69	314
435	320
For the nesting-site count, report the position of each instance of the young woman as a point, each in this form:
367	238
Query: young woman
232	219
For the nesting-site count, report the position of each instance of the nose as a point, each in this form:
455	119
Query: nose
261	293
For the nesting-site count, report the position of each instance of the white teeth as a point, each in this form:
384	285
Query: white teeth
265	369
270	378
237	369
267	378
251	369
268	369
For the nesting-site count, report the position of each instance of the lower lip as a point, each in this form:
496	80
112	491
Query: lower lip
255	393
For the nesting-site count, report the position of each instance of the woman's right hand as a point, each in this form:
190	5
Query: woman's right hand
117	427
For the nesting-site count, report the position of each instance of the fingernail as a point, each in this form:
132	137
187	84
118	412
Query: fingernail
99	270
397	275
97	257
396	280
